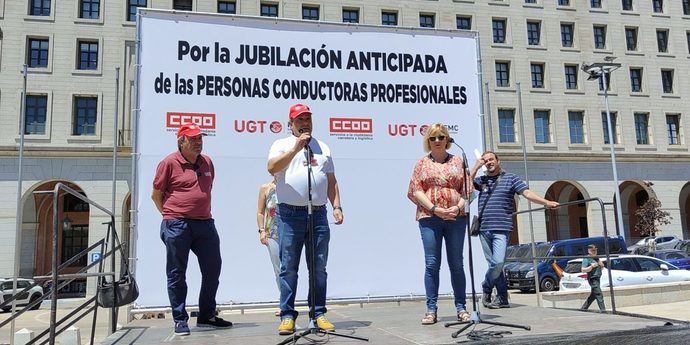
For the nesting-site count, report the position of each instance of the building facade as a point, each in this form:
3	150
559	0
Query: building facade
73	47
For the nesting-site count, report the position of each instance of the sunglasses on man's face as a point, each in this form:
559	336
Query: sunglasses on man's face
438	138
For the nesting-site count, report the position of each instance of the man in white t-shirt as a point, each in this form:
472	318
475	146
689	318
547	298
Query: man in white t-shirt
289	161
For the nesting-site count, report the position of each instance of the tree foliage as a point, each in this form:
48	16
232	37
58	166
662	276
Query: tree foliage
650	217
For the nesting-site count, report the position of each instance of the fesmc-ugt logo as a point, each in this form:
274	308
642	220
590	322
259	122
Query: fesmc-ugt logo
174	120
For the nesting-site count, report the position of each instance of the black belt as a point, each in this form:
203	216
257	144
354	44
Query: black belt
300	208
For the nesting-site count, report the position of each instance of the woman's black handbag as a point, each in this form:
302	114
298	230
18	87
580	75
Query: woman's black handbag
121	292
477	220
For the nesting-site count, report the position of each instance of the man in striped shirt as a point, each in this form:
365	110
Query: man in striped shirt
497	221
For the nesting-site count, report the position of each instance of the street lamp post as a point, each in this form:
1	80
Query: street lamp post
602	70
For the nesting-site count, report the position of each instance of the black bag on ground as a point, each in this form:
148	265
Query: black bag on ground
121	292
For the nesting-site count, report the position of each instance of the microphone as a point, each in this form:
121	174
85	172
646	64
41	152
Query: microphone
465	167
301	130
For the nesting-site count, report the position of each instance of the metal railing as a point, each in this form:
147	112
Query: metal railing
58	281
606	243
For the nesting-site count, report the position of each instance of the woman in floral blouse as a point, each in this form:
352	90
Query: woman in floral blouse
266	220
437	188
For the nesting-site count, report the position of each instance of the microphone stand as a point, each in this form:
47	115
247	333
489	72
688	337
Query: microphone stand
475	317
312	328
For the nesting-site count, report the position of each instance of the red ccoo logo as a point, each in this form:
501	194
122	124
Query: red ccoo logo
351	125
205	121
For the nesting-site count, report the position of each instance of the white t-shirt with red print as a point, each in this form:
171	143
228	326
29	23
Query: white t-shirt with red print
291	183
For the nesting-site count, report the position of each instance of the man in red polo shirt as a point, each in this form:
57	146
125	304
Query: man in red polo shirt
182	194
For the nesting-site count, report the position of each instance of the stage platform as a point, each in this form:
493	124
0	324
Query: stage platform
393	323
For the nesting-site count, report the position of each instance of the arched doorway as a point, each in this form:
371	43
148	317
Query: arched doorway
72	235
684	203
126	221
514	237
633	195
568	221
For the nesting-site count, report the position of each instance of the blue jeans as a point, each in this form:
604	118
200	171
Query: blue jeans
434	230
294	236
200	236
494	244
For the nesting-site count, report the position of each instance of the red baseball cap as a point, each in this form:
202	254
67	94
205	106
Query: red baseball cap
299	109
189	129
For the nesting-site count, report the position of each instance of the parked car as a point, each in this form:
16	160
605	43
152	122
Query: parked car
675	257
25	298
522	276
625	270
517	255
684	246
662	242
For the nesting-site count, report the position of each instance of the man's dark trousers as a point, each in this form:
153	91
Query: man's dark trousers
595	294
179	236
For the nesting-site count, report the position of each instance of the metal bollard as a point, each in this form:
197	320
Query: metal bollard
70	336
23	336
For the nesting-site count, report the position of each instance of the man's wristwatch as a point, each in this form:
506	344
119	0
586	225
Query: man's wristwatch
337	208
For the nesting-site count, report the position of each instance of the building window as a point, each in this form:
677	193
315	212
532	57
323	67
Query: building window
667	80
687	37
506	125
606	127
563	2
658	6
530	1
571	77
310	13
537	71
39	8
426	20
636	79
627	5
502	74
673	129
642	128
88	55
463	22
662	40
350	15
631	39
542	133
182	5
227	7
74	241
85	115
38	52
599	36
499	30
90	9
389	18
608	82
36	107
595	3
533	33
269	10
132	6
567	35
576	123
686	7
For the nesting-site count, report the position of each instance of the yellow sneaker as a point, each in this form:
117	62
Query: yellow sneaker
323	323
287	327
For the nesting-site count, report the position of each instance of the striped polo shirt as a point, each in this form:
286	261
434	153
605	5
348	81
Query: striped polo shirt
497	215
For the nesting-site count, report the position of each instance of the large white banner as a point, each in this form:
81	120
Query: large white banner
373	91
